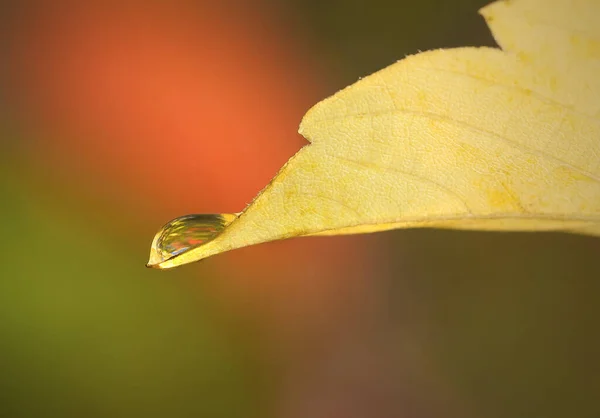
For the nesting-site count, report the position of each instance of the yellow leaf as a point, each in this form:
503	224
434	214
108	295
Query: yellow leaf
466	138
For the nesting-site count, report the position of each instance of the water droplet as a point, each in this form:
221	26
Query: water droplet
186	233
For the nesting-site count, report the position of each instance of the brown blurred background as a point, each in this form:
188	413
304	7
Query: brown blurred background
118	116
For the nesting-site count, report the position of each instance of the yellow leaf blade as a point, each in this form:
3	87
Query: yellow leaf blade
467	138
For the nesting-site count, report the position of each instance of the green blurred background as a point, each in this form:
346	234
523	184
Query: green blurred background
120	116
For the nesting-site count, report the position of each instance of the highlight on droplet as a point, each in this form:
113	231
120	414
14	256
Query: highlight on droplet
184	234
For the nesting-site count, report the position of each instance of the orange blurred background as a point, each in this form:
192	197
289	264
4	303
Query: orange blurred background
123	115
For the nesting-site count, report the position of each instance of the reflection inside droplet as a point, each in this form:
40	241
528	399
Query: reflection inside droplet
185	233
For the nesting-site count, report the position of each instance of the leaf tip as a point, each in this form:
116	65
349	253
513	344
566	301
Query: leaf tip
173	243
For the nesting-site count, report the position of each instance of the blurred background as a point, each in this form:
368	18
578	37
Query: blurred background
119	116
